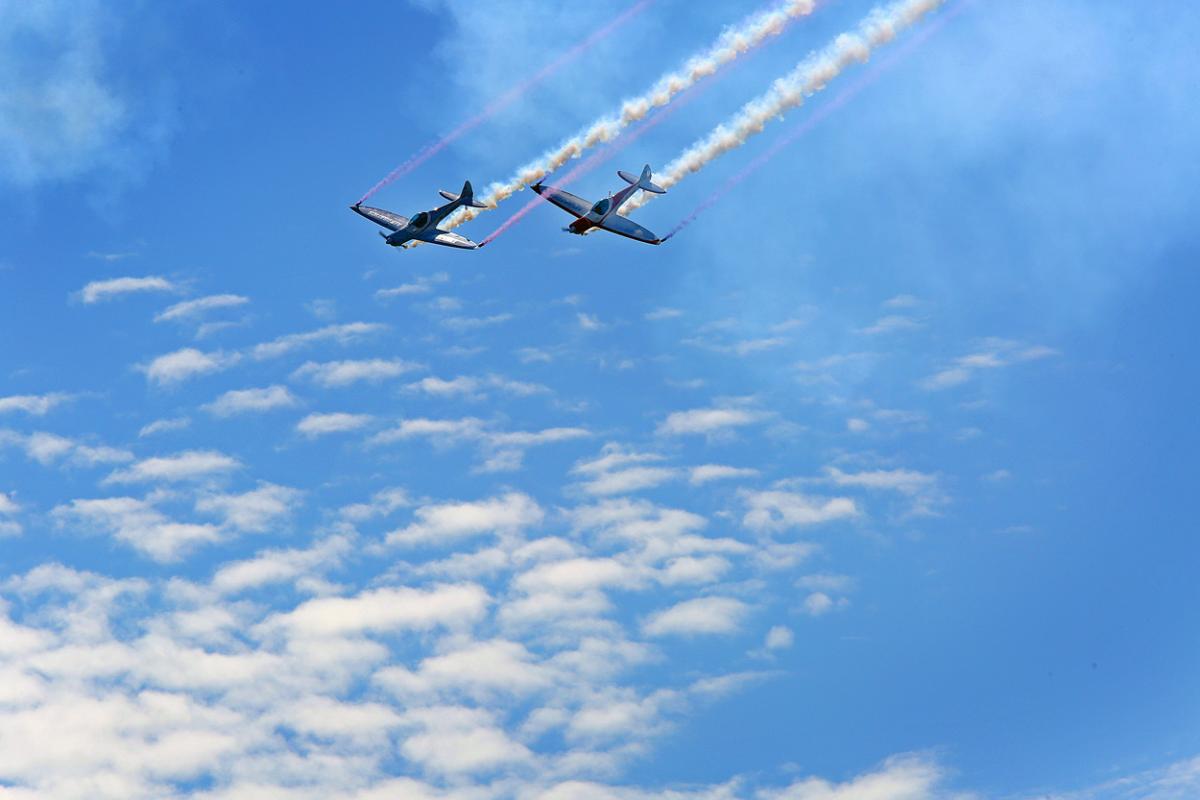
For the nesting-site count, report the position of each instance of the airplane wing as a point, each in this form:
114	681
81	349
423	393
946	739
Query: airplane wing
624	226
449	239
564	200
387	219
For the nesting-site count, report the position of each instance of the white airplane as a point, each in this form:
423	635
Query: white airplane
604	214
423	227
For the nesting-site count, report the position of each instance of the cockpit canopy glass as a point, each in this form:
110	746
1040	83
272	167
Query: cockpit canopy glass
420	220
601	208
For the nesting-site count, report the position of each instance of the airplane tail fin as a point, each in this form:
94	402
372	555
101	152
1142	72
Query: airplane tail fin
643	181
466	197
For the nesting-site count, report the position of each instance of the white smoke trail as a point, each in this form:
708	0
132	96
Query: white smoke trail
731	44
809	77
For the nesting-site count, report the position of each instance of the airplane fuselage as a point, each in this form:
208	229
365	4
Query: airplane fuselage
419	223
601	211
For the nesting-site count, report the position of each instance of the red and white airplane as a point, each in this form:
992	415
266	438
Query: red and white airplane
603	214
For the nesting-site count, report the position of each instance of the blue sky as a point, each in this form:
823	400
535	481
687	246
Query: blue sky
871	483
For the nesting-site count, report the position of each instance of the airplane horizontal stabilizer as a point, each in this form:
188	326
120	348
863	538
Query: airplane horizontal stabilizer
643	182
467	196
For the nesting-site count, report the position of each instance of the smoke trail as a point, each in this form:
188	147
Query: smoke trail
598	158
731	44
823	113
508	98
812	75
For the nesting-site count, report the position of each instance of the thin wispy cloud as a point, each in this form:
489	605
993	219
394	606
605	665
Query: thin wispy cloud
992	354
174	368
33	404
342	334
315	425
345	373
191	309
165	425
251	401
100	291
185	466
707	421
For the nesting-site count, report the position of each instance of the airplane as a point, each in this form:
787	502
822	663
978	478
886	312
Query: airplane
423	227
603	214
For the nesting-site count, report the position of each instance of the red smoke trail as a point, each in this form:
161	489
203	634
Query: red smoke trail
829	109
508	98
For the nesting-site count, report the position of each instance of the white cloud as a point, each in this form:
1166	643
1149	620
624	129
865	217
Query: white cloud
779	638
34	404
137	523
464	324
438	387
187	465
741	347
254	511
1179	780
779	510
534	355
422	285
441	431
98	291
476	670
901	301
447	522
189	309
45	448
588	322
818	603
613	456
693	570
705	473
533	438
7	504
459	740
575	575
501	450
277	566
922	487
706	421
385	610
48	448
336	422
704	615
905	481
505	450
628	480
90	456
247	401
893	323
992	354
899	778
618	471
662	313
186	363
164	426
340	334
382	503
344	373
